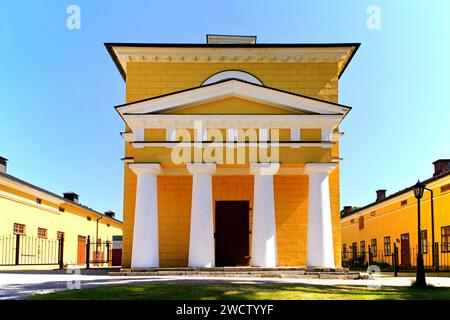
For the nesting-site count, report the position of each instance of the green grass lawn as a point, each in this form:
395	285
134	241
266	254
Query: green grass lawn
215	291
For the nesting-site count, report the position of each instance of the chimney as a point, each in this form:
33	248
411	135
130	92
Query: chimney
110	214
441	166
72	196
347	209
3	164
229	39
381	194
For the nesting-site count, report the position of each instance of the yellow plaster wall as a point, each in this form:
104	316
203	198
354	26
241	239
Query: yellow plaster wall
148	79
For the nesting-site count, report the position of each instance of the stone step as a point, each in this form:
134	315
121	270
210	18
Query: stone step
310	273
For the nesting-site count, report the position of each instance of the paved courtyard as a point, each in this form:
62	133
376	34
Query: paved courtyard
20	284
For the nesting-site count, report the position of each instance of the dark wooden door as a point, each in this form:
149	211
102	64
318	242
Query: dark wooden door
405	250
81	252
232	233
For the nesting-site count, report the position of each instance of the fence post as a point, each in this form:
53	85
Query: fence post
436	255
395	259
107	252
17	249
88	247
61	252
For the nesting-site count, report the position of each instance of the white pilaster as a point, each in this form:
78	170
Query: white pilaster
145	253
201	241
320	250
264	238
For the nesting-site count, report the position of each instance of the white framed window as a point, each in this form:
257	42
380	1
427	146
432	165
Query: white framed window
295	134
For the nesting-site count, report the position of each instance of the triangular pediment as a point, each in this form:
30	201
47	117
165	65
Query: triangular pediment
232	105
216	97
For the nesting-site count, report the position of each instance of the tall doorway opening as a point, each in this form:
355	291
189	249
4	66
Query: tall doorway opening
232	233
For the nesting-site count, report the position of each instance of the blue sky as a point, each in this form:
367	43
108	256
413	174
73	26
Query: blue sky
58	86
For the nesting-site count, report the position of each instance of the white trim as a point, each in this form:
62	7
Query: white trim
232	121
232	88
232	74
230	144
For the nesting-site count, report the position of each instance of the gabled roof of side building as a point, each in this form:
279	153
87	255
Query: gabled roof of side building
396	194
52	195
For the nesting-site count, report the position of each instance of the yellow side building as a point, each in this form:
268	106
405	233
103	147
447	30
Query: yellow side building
393	220
200	190
33	220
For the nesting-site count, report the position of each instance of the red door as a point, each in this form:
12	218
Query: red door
81	257
405	250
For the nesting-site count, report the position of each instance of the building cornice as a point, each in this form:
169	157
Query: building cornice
122	53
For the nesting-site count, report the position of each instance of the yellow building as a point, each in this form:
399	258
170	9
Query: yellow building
32	220
231	152
393	220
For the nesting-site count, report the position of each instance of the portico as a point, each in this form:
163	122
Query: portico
263	237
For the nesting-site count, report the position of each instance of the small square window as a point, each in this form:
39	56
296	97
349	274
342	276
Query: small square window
38	201
404	203
42	233
59	234
88	218
61	209
445	188
19	228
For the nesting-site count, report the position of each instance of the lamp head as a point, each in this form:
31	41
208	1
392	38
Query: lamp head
418	189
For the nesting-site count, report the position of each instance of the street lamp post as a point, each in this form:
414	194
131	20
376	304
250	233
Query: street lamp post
420	269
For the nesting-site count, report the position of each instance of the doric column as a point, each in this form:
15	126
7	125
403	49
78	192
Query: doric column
264	237
145	253
320	250
201	241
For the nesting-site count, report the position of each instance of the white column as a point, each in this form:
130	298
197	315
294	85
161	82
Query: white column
264	237
201	240
320	250
145	253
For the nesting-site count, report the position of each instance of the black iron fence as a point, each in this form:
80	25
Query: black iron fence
98	253
22	250
397	259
